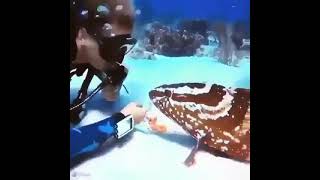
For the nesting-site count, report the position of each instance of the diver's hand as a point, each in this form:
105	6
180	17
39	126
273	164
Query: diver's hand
88	51
88	48
136	110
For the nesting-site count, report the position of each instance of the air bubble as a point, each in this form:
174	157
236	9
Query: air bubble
119	7
84	12
138	12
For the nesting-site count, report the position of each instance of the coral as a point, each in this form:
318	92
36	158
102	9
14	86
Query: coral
229	43
165	40
141	53
196	26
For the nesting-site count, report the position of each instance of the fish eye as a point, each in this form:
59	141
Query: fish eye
167	93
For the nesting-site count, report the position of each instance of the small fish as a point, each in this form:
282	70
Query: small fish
216	116
159	128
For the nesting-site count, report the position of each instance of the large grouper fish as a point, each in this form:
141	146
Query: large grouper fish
216	116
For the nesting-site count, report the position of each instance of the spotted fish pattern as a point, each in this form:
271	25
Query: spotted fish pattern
216	116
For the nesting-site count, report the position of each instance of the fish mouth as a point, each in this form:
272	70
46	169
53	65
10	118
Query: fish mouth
173	127
153	94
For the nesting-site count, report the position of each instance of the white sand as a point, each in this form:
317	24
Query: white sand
150	156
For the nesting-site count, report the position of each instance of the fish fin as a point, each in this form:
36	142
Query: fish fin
191	158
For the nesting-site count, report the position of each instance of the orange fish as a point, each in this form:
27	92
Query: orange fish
160	128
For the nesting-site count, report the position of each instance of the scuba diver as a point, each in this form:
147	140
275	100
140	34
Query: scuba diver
100	31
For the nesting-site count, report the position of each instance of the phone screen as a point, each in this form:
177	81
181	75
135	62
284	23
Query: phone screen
125	126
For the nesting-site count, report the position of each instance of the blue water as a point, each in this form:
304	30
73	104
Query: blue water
170	10
152	156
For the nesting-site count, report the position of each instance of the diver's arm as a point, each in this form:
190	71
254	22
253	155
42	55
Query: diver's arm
99	63
88	138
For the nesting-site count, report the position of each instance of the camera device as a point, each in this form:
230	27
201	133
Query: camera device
125	126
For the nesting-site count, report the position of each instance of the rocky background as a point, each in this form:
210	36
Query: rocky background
228	43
